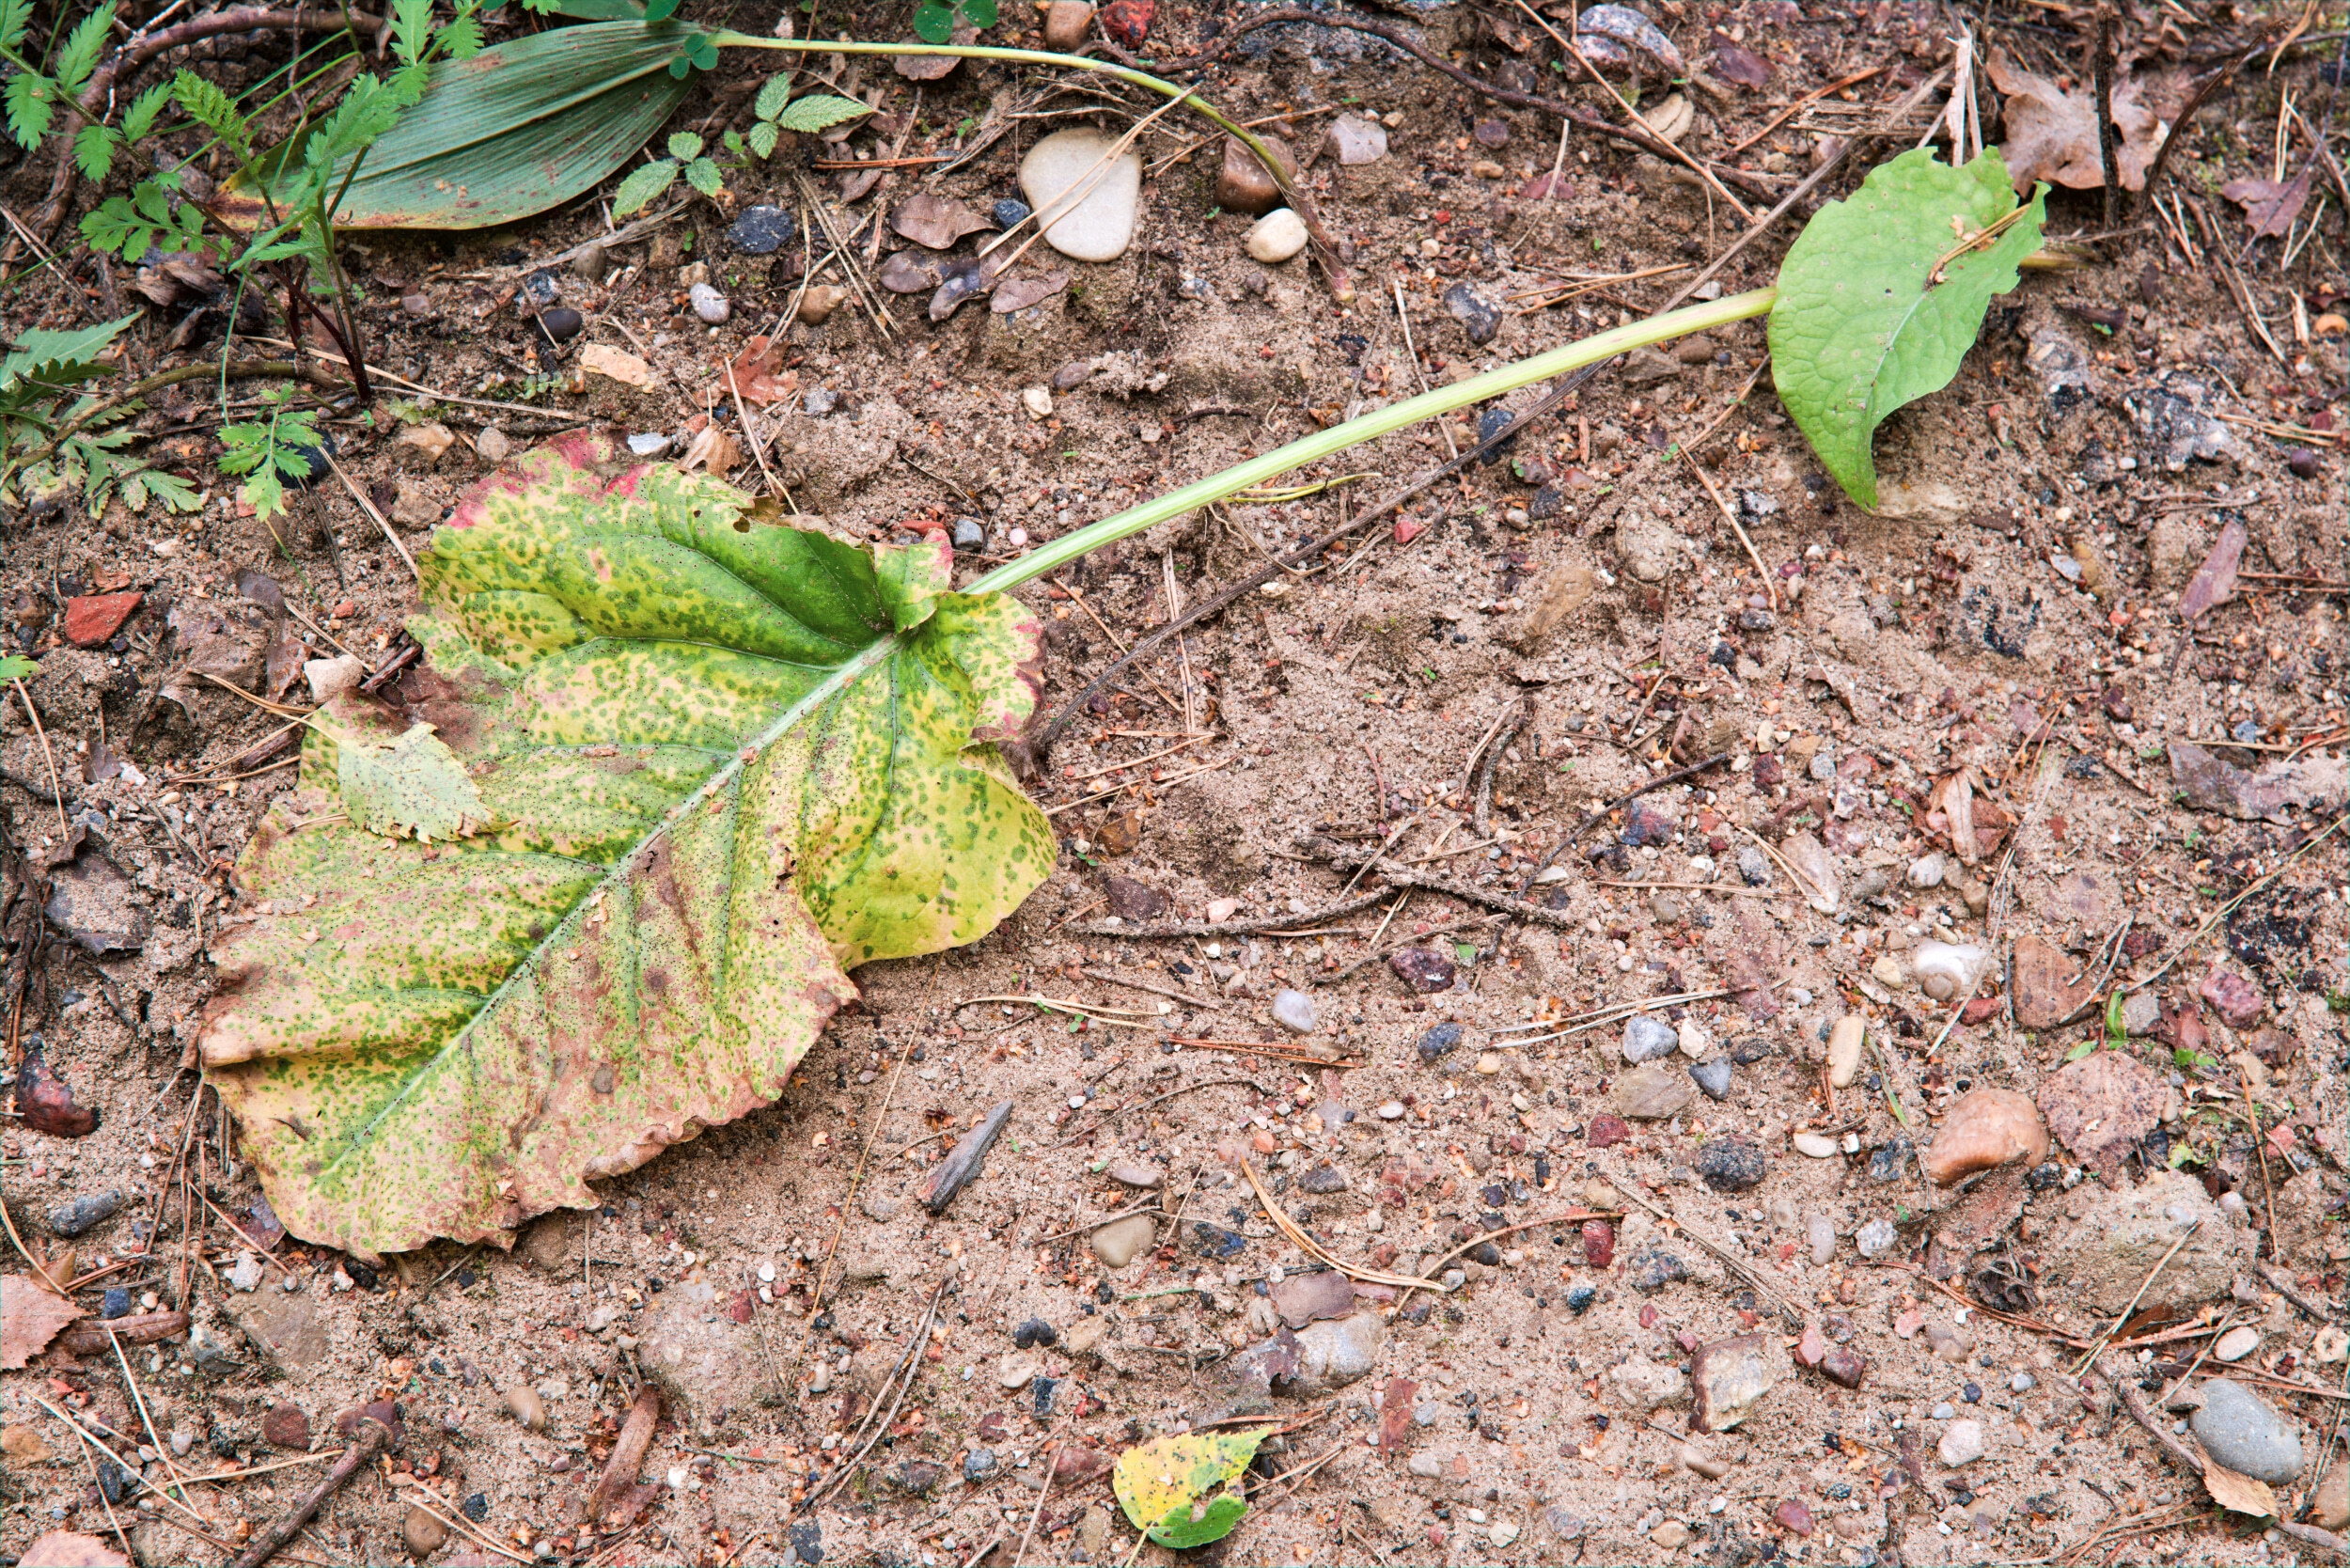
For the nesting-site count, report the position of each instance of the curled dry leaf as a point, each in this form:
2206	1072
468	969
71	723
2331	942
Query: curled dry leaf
758	374
2100	1106
905	273
448	1038
934	221
2212	785
2238	1493
65	1549
714	451
1734	62
2270	206
1018	293
30	1316
2052	134
2213	582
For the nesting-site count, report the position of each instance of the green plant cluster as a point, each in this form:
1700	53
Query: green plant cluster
775	113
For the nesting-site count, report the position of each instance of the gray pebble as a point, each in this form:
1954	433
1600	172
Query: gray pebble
969	534
762	230
1295	1012
1754	868
820	401
77	1215
709	305
1877	1238
2023	1382
2238	1429
1712	1076
1821	1232
1943	1411
979	1465
649	443
1646	1039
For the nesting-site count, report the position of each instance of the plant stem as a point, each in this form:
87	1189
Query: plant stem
1326	248
1370	426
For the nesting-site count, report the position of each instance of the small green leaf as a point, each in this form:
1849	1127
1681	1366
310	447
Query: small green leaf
934	21
732	141
772	97
642	186
685	147
821	112
763	134
1881	297
16	667
31	102
979	13
94	151
414	788
1172	1489
704	177
660	11
80	55
14	15
2086	1047
139	118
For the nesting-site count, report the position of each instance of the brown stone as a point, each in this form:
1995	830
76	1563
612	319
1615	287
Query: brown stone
1730	1375
1985	1127
1242	185
1066	24
91	618
2235	998
2042	998
286	1427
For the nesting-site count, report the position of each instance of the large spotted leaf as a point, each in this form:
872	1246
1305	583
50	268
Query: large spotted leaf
721	762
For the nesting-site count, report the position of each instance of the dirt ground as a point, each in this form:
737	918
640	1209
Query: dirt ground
1524	644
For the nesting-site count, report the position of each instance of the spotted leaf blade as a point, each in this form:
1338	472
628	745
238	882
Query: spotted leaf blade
1172	1488
444	1039
1864	324
414	787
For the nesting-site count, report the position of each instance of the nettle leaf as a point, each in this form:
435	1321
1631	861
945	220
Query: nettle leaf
820	112
697	839
1881	297
773	96
685	147
644	182
703	175
1173	1488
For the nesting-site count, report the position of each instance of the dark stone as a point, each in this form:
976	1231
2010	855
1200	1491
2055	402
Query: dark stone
807	1536
1216	1242
1130	900
1890	1160
762	231
562	323
1599	1243
969	534
476	1507
1654	1269
1646	822
1007	211
1753	1048
1478	319
1489	424
1437	1041
1581	1296
1423	968
1845	1366
1730	1164
1546	502
1323	1179
979	1465
1485	1254
542	290
115	1303
1712	1076
2302	462
1035	1331
1044	1388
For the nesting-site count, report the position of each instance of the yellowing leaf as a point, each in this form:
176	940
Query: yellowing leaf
414	787
728	761
616	364
1172	1489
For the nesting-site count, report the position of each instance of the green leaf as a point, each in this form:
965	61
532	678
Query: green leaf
1172	1489
772	97
139	118
14	16
42	355
979	13
462	39
935	21
704	177
414	786
94	149
31	102
2087	1047
820	112
660	11
79	56
517	129
732	141
685	147
16	667
214	110
762	138
446	1039
1875	309
642	185
412	29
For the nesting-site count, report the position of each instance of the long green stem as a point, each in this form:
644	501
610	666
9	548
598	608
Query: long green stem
1370	426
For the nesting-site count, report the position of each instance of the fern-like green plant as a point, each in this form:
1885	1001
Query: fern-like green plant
36	381
271	452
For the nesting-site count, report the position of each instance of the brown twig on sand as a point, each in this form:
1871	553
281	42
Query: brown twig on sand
628	1451
1593	818
1398	874
1307	1244
377	1427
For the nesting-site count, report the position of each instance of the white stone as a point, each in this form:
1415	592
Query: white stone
1843	1050
1037	401
1295	1012
1961	1443
1357	139
1817	1145
1694	1042
709	305
2237	1342
1098	224
1275	237
246	1274
330	678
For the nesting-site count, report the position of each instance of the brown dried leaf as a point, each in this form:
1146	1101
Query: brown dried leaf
1734	62
2237	1493
30	1316
2052	134
2268	206
2042	996
2212	785
2100	1106
2213	582
65	1549
934	221
758	374
1395	1415
1021	292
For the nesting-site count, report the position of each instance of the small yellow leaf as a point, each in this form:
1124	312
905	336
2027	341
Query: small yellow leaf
2238	1493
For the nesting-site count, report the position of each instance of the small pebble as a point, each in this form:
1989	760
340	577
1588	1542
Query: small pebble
1645	1038
115	1303
77	1215
762	230
1007	211
1817	1145
1962	1444
561	325
590	264
523	1403
969	534
1037	401
2022	1383
1712	1076
1821	1232
2235	1344
1390	1110
1295	1012
709	305
492	444
979	1465
1275	237
1437	1041
1876	1238
1034	1331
